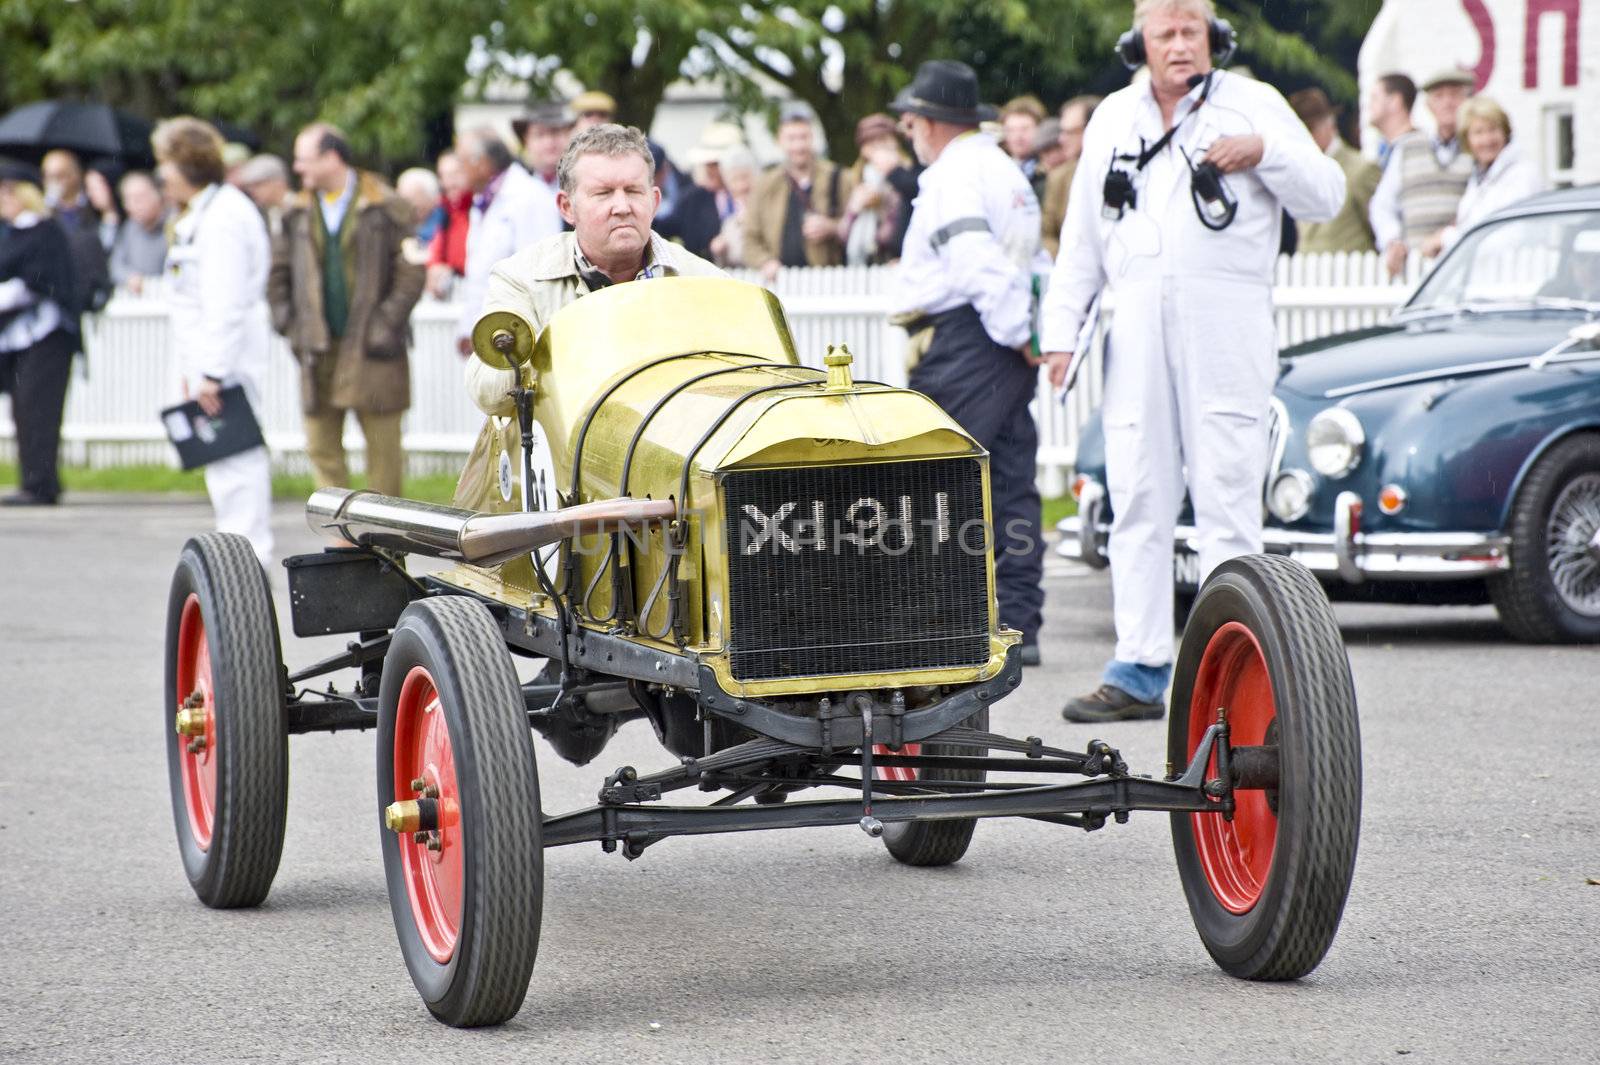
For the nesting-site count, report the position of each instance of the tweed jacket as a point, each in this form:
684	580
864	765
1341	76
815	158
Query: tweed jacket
769	205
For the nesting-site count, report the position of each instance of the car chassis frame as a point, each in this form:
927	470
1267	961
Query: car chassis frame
768	770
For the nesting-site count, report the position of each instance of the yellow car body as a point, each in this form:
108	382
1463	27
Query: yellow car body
690	389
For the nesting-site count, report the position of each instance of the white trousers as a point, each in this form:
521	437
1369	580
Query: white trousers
240	486
1188	381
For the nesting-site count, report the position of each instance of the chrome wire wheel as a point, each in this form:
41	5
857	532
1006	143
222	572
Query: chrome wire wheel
1551	591
1572	544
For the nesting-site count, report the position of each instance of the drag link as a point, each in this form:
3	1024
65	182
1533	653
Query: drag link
869	824
1099	759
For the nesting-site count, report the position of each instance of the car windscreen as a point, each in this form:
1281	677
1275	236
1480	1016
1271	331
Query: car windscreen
1547	259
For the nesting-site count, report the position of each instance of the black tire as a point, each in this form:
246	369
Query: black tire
932	843
1182	606
231	856
462	650
1531	605
1316	811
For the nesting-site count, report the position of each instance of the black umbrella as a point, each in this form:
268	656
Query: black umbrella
89	129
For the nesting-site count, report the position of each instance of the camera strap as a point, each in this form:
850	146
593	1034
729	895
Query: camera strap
1118	194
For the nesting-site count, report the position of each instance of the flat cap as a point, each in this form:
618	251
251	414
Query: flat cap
594	101
1450	76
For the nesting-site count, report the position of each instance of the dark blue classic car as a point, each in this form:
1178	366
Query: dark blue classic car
1450	456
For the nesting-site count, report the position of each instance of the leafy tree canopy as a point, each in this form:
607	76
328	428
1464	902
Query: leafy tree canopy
390	71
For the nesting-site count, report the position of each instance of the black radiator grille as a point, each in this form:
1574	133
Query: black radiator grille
823	579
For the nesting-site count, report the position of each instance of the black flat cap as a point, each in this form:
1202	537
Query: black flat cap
946	91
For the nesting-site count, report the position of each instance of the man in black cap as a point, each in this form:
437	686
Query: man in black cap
965	296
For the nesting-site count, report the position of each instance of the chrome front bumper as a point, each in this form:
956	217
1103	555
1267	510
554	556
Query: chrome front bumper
1346	553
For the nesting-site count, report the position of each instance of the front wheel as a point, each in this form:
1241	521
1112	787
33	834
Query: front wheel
459	790
1552	593
931	843
224	722
1267	888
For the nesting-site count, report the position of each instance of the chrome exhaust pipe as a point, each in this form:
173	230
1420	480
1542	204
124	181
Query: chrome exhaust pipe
368	519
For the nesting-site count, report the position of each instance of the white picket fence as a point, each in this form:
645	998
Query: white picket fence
127	374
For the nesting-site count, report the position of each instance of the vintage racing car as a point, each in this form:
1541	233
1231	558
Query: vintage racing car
788	573
1449	456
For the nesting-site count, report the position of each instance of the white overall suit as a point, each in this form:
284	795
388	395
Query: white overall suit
1192	352
216	283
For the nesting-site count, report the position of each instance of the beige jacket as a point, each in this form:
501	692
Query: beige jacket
769	207
540	280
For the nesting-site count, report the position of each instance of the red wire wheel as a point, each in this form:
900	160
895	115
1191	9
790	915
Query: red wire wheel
1267	888
223	722
198	768
1236	854
434	868
931	843
467	894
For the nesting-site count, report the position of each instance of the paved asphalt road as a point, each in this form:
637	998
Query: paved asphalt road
1471	934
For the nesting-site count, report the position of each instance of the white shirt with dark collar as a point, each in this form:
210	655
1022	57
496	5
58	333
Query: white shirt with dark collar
333	211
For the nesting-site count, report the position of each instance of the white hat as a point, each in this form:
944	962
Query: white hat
715	140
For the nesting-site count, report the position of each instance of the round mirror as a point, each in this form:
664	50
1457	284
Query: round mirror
503	339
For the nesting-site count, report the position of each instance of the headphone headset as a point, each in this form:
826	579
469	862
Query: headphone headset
1130	46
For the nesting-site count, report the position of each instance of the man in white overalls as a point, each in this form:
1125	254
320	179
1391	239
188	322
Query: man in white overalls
1185	254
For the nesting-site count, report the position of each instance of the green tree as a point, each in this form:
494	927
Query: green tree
847	59
632	50
378	68
390	71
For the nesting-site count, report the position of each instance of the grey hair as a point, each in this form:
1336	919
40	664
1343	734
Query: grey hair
485	142
737	158
423	179
136	176
1142	9
608	139
262	168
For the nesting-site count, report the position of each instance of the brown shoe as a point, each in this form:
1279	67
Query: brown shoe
1110	703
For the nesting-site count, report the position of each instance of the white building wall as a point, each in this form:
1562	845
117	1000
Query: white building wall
1587	113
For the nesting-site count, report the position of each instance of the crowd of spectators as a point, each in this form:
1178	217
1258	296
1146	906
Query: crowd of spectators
806	209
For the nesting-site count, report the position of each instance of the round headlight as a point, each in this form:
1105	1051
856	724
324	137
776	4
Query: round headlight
1333	442
1290	495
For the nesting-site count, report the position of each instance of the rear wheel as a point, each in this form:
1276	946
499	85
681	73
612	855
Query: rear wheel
224	722
1267	888
462	846
1552	593
932	842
